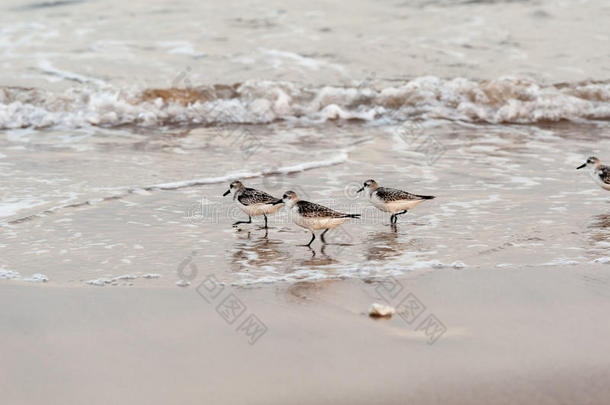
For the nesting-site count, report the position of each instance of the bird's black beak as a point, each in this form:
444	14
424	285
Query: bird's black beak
581	166
361	190
277	202
226	193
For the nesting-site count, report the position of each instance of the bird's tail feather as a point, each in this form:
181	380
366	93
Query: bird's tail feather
351	216
426	197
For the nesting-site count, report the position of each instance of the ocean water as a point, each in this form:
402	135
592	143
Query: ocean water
121	125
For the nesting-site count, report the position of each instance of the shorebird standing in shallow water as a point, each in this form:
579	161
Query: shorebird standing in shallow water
386	199
313	216
253	202
599	172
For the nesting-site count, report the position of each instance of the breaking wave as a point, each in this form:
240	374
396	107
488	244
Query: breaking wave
506	100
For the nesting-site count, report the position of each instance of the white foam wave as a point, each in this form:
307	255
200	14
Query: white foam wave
49	69
15	275
8	274
363	272
335	160
125	279
505	100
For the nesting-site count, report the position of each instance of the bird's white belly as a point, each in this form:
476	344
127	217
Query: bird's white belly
599	181
394	206
254	210
315	223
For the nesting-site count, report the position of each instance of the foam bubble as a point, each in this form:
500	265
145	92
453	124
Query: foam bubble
14	275
8	274
37	278
505	100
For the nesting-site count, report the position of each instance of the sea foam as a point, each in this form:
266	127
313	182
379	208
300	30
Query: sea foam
505	100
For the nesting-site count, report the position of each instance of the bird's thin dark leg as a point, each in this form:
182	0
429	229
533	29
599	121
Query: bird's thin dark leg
249	221
392	218
399	213
313	237
265	220
322	250
322	236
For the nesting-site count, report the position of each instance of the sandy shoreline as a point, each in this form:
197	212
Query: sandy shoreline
518	336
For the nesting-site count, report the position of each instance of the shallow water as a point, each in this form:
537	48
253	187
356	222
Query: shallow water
507	196
118	137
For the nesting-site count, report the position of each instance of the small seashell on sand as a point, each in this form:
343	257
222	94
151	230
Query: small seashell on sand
381	311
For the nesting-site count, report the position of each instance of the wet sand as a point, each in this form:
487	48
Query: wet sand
511	337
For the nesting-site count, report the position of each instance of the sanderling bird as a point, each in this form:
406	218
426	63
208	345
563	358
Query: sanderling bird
253	202
599	172
386	199
313	216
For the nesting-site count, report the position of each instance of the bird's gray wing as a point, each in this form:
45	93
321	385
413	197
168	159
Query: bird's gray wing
313	210
252	196
392	194
604	174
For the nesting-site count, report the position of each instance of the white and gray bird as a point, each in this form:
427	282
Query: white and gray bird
253	202
313	216
396	202
599	172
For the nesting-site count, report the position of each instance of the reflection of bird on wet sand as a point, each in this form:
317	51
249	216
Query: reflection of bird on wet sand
312	263
251	252
255	252
600	228
386	245
599	237
316	260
